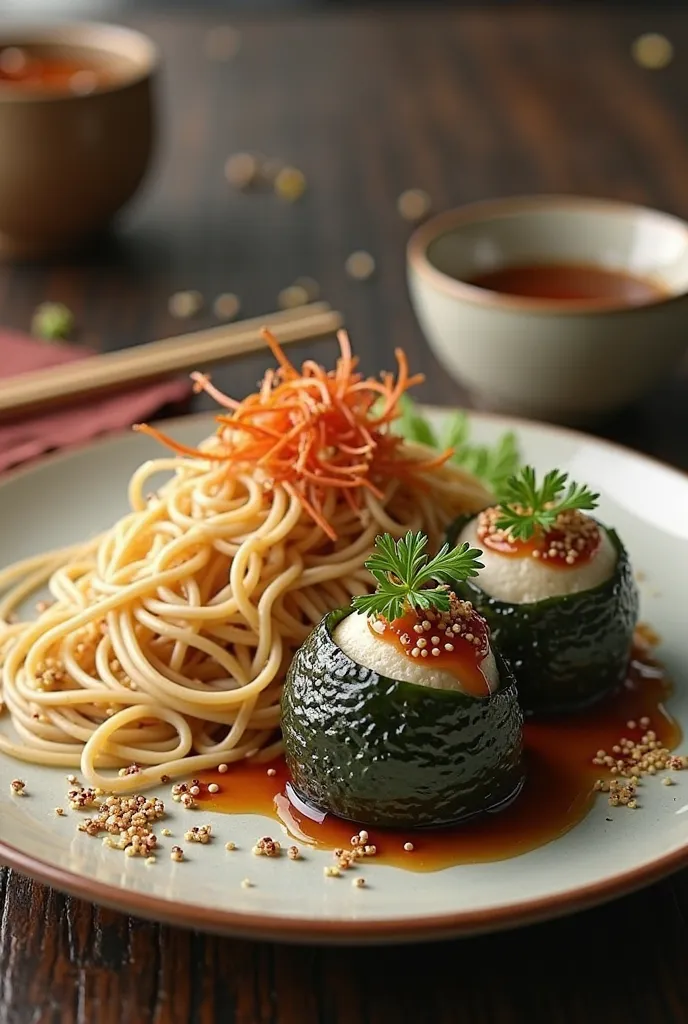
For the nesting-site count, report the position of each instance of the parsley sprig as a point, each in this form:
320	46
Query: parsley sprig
404	574
492	464
527	507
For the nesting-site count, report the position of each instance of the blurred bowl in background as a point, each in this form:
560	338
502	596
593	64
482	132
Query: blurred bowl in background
76	131
560	356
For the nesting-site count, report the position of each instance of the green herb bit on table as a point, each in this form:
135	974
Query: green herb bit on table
404	574
52	321
492	464
526	507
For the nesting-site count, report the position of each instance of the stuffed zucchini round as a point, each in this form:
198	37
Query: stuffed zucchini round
437	746
560	599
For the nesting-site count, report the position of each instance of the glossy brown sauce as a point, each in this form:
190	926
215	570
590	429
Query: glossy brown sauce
558	793
47	72
454	653
570	282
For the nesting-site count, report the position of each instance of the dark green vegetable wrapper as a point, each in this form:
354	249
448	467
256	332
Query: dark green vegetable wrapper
388	753
566	652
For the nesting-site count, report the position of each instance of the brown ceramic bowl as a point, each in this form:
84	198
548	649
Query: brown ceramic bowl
68	160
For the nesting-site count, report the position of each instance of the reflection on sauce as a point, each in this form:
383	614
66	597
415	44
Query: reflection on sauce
570	282
557	795
50	72
456	641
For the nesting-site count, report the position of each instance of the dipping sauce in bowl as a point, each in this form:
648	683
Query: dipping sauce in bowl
568	282
40	70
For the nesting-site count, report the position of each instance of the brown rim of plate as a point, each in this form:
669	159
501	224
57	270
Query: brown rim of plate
444	223
285	929
97	36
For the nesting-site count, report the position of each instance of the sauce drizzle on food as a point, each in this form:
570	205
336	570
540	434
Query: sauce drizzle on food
573	541
456	641
559	792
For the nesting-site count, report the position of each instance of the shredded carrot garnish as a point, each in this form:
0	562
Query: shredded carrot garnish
313	430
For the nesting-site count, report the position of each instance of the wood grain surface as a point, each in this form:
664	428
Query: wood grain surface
466	104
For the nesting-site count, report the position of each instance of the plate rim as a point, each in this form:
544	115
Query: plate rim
369	931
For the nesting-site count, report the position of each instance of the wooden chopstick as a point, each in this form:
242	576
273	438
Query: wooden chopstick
159	359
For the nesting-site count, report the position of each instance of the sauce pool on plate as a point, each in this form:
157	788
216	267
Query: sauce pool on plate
558	793
570	282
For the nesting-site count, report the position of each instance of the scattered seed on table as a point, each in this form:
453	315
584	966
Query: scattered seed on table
360	265
310	286
241	170
291	297
652	51
182	305
290	184
414	204
226	306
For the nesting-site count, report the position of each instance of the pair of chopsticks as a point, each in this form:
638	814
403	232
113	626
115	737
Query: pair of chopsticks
159	359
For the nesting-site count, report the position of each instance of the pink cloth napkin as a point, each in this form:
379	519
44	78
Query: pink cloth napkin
29	437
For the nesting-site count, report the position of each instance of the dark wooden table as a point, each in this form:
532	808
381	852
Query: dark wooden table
466	105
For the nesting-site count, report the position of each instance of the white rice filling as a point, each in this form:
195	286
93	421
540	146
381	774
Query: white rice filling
355	638
525	580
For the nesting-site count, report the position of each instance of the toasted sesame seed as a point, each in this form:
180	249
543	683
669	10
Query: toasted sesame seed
667	781
17	787
246	883
363	836
230	845
272	772
150	860
60	812
213	788
358	882
222	768
409	847
293	853
331	872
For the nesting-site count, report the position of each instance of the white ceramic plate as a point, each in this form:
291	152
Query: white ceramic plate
73	496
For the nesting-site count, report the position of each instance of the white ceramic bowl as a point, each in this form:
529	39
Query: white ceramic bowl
551	359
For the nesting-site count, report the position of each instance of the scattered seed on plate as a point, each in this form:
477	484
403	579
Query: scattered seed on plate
247	884
17	787
165	832
230	845
183	305
60	812
150	860
242	170
222	42
414	204
291	297
226	306
667	781
331	871
293	853
360	265
290	184
177	854
358	882
652	51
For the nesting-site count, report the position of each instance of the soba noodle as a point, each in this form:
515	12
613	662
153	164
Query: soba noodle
165	642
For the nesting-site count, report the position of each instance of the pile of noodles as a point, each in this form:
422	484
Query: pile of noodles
166	639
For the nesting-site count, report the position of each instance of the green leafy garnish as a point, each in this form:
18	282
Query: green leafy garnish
52	321
526	507
492	464
404	572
